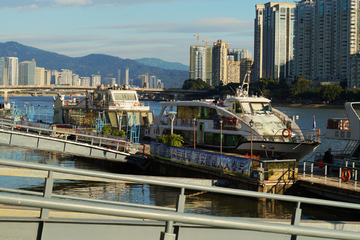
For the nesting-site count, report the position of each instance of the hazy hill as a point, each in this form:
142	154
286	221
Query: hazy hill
106	65
155	62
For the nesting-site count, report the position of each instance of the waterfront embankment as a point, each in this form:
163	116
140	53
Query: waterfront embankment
309	105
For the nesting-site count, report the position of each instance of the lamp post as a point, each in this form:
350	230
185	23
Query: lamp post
221	122
46	113
194	133
172	118
251	143
39	113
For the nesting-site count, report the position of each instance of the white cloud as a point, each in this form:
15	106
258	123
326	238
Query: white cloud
210	25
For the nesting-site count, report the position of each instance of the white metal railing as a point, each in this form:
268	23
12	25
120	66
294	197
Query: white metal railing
157	213
322	170
119	144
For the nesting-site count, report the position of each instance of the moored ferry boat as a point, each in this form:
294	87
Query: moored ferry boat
115	106
347	130
248	126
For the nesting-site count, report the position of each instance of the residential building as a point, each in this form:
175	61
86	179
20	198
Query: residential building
76	80
65	77
143	81
273	40
303	38
55	77
238	54
85	81
219	63
13	71
160	84
233	74
110	81
152	81
246	65
47	77
4	65
201	63
39	76
95	80
323	50
353	76
27	72
124	76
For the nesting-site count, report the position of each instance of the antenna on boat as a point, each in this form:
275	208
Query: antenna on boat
243	91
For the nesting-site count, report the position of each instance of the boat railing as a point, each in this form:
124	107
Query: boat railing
47	200
264	169
312	135
119	145
346	173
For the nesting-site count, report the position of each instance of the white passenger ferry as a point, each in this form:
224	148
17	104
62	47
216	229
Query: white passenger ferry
115	105
248	125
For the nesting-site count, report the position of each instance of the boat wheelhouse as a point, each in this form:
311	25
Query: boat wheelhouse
117	107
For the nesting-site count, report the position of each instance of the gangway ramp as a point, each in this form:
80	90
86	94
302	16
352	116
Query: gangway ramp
142	221
68	143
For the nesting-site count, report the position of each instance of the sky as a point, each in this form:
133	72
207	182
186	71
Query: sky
130	29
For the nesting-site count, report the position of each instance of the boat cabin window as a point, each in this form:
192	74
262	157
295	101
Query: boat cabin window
236	108
100	97
246	108
125	96
190	112
261	108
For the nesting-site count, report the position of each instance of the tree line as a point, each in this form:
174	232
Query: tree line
300	90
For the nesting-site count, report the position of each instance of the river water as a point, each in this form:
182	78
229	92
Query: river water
213	204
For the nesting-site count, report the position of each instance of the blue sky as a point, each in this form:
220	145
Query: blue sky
127	28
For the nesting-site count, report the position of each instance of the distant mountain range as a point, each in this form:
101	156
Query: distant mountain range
155	62
105	65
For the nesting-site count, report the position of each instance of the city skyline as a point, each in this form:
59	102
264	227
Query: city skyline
140	29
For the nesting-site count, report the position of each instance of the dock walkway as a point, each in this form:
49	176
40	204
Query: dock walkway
331	185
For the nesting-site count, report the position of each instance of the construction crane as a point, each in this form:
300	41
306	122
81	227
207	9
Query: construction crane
198	36
206	41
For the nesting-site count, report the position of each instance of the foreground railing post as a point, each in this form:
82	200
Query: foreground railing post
312	171
261	172
355	179
295	219
49	182
304	169
340	170
169	228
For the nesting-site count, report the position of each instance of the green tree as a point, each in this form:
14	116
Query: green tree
197	84
331	93
299	86
171	140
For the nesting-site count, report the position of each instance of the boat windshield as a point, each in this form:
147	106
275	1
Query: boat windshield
256	107
261	108
125	96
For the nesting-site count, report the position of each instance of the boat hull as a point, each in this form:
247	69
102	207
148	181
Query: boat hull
273	150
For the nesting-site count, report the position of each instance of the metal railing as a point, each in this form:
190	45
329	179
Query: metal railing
117	145
323	168
266	170
157	213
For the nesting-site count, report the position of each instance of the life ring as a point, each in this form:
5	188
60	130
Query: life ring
321	165
345	175
117	104
344	127
288	133
136	104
